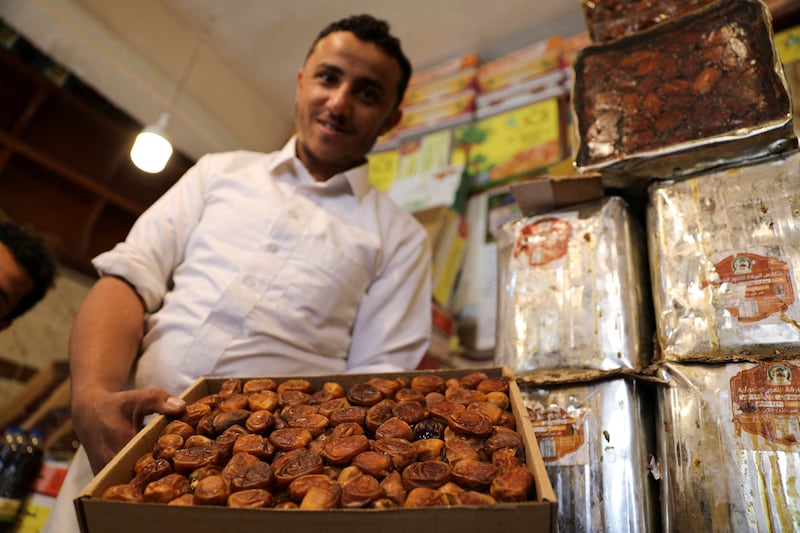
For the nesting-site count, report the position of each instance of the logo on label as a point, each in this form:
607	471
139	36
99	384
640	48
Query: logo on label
543	241
766	402
752	287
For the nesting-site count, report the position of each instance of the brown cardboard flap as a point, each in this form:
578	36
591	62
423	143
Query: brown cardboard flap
548	192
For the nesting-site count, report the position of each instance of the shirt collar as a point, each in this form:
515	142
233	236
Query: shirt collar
356	179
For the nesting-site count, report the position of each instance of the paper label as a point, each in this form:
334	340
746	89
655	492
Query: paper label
543	241
560	434
753	287
766	402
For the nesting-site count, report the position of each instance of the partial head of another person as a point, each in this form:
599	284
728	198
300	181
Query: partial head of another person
27	271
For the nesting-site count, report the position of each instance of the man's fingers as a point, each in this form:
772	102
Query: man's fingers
149	401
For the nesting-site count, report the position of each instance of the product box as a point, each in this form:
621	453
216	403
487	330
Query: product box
444	69
447	232
550	85
96	515
447	111
529	62
440	88
442	330
596	438
571	290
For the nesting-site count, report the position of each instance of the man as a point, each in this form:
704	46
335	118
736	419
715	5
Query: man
261	264
27	271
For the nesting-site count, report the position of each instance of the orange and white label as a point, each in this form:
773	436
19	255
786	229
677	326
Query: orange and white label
766	402
543	241
558	433
753	287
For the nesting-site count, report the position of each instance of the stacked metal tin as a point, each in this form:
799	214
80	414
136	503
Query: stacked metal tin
692	102
573	290
729	441
726	251
573	296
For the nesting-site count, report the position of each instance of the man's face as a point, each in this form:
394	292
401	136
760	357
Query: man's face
14	284
345	99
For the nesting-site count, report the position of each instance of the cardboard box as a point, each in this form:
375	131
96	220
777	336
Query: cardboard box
547	192
445	68
447	234
529	62
447	111
96	515
437	89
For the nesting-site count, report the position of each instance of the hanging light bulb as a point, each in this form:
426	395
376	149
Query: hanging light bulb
151	150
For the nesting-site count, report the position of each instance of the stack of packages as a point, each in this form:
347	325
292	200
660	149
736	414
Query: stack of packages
688	99
527	75
440	96
573	323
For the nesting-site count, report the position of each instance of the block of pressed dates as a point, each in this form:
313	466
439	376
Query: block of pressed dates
702	91
607	20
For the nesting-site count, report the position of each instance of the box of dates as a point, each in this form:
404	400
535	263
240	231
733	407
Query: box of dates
449	449
702	91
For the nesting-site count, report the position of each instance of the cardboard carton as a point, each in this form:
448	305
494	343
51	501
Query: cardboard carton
547	192
96	515
447	234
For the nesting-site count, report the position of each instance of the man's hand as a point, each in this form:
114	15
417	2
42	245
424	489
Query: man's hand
106	421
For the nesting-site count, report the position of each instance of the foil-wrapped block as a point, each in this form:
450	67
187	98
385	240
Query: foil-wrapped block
701	91
729	446
597	440
607	20
725	255
573	290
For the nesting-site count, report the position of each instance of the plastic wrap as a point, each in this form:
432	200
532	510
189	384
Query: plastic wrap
724	253
573	290
729	447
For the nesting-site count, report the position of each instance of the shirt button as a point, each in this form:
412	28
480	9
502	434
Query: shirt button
272	247
293	214
249	282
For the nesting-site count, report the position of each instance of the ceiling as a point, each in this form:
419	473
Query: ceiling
238	59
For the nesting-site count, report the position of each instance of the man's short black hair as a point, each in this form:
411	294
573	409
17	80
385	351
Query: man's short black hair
371	30
34	257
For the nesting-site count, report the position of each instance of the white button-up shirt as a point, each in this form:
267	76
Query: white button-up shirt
250	267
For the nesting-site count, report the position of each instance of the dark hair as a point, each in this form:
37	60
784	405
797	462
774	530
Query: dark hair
371	30
32	254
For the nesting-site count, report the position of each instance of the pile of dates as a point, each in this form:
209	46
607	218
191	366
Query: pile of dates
419	441
713	75
611	19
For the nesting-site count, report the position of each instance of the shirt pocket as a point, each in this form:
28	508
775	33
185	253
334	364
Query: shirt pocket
324	286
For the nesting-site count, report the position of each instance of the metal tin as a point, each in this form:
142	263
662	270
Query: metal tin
572	290
701	91
729	447
725	252
596	440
